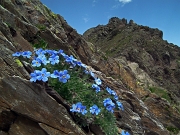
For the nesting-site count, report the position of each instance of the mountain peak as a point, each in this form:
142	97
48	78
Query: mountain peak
116	25
116	20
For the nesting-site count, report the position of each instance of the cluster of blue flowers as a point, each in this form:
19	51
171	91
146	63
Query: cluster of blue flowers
62	75
95	110
40	75
79	108
112	92
108	103
97	83
25	54
43	57
96	87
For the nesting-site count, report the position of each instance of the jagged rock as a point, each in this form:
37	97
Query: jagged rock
131	22
7	117
33	103
143	77
124	21
23	125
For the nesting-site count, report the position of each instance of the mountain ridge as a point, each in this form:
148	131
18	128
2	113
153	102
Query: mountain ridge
135	42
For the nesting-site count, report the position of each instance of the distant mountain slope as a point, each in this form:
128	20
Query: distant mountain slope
152	62
142	45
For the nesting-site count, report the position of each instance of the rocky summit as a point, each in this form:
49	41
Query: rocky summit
133	60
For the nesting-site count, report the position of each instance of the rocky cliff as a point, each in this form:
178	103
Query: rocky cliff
133	65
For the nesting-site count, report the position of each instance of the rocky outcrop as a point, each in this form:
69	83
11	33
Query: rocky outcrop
139	57
142	45
32	108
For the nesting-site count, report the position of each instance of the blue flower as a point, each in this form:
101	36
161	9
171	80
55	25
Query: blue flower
36	62
95	110
98	81
80	64
43	75
40	52
111	92
107	101
64	55
116	97
124	133
60	51
55	74
78	107
93	75
63	76
54	59
52	53
120	106
110	107
44	59
108	90
27	54
109	104
95	86
40	75
17	54
24	54
34	75
83	110
71	60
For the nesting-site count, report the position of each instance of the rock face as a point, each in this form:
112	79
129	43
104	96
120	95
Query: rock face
30	109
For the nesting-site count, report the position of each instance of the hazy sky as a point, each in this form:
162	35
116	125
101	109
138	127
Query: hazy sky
84	14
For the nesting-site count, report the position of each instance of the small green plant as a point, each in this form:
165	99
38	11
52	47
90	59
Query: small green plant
104	57
18	62
47	9
92	102
41	27
8	24
2	3
173	129
41	44
53	15
160	92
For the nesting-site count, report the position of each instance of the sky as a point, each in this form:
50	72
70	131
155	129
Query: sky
85	14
